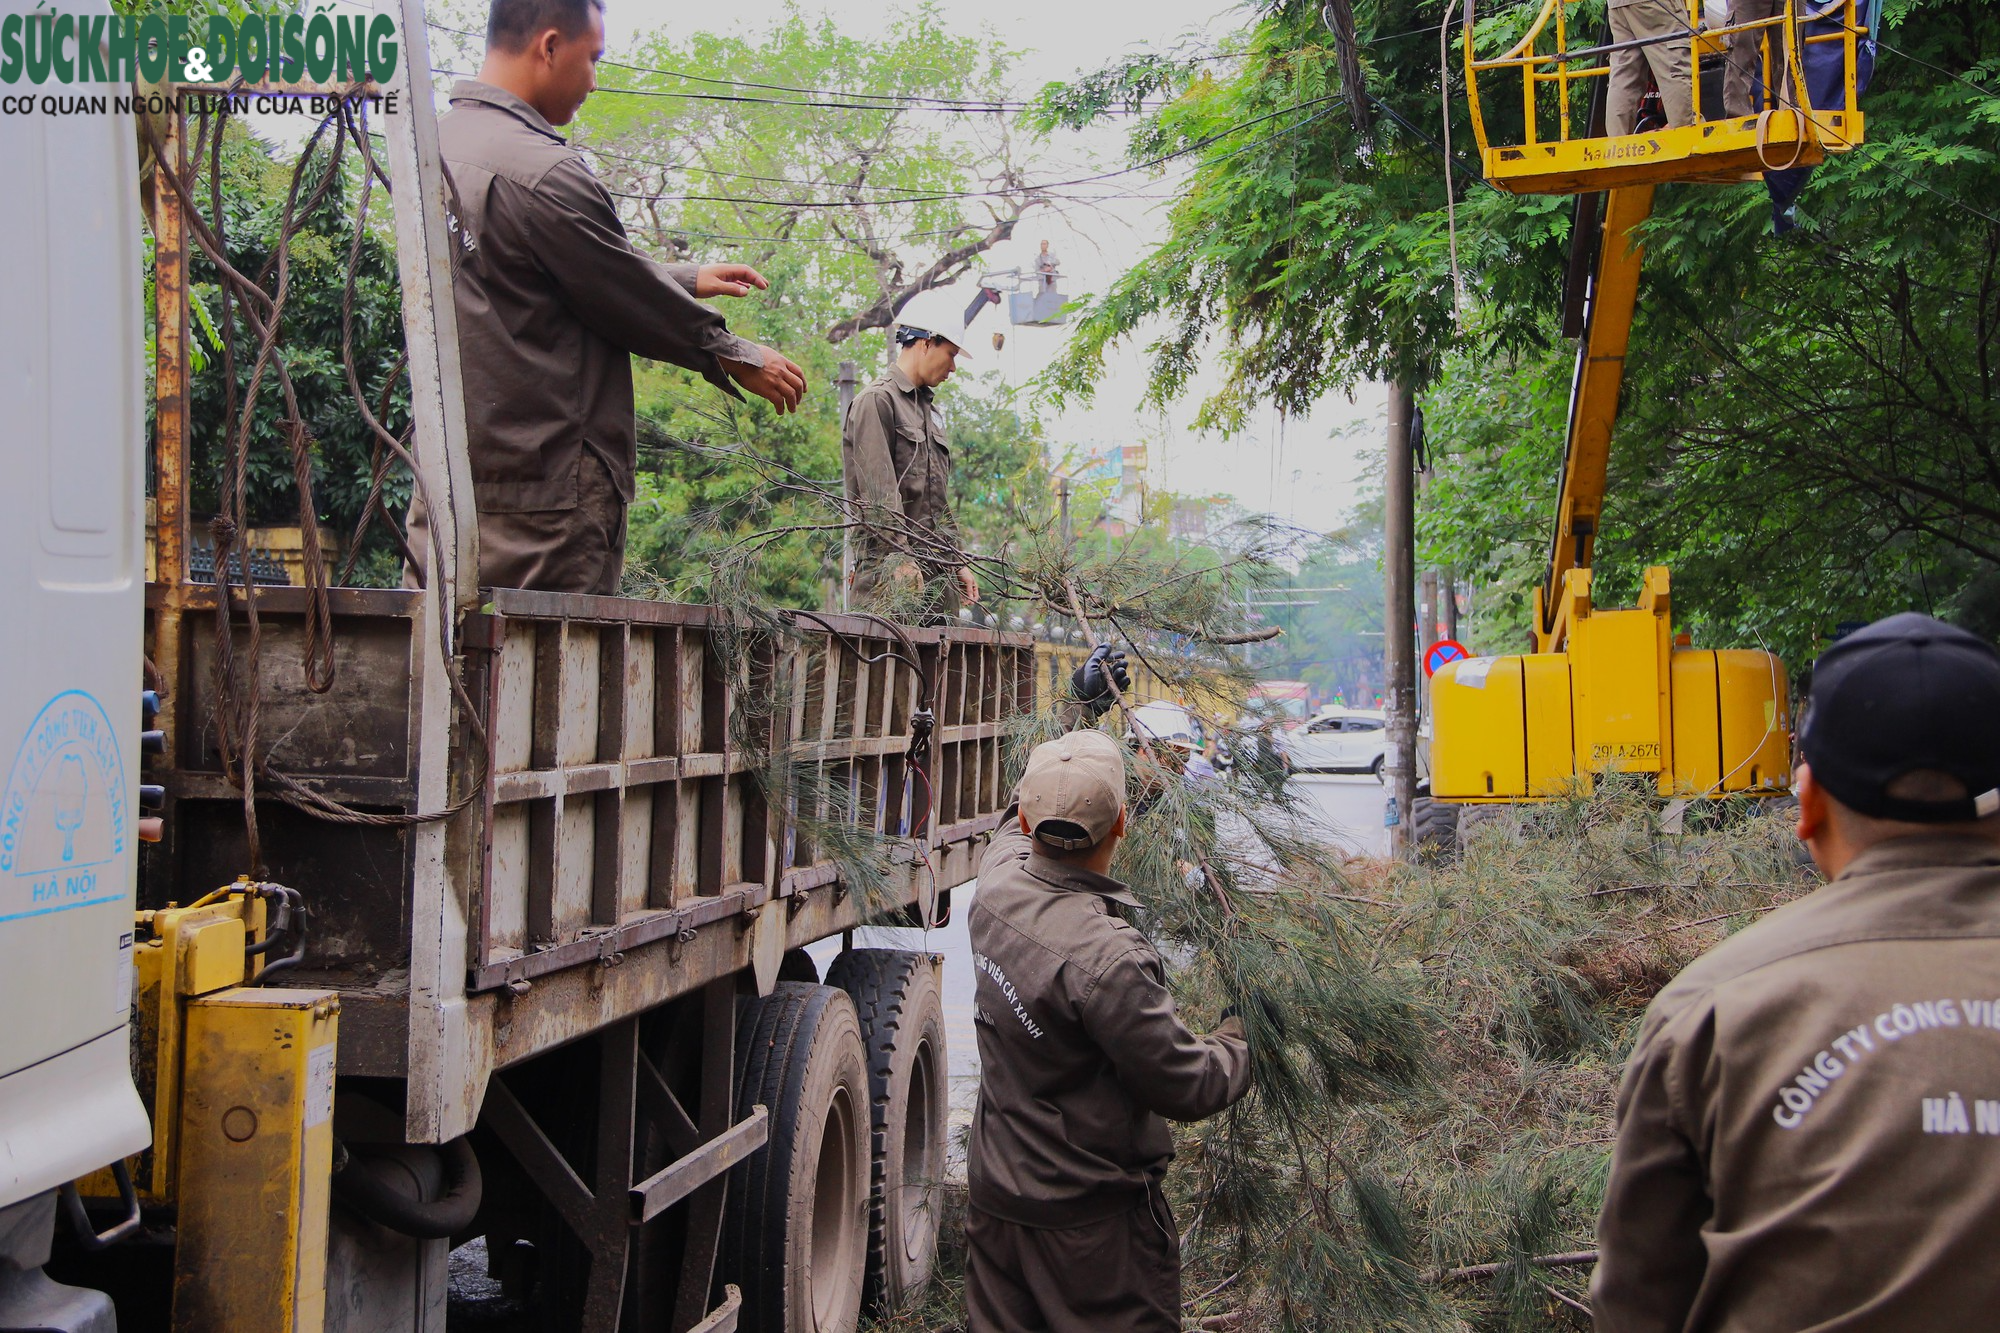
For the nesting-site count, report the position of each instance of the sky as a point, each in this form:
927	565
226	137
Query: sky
1307	472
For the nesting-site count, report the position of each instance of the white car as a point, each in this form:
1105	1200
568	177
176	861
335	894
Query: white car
1349	740
1167	722
1340	740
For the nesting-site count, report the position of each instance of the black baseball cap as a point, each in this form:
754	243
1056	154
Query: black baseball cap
1904	694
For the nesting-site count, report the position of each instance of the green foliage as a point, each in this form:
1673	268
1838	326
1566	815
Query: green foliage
1811	426
847	199
1334	644
1495	424
1438	1096
254	186
1311	246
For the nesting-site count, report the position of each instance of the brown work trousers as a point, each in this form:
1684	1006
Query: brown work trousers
1119	1275
549	550
1667	61
1744	90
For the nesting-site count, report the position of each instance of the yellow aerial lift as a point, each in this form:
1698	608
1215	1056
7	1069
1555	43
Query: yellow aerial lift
1618	691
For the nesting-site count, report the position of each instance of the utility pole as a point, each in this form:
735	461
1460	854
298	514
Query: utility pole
1399	618
1063	485
844	383
1448	601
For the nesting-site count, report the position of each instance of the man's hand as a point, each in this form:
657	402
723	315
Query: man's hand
1089	685
727	280
1273	1015
778	382
968	583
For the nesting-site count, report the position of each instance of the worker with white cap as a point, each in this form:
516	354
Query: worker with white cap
897	467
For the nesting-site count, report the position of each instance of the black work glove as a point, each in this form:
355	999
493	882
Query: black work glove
1273	1016
1089	684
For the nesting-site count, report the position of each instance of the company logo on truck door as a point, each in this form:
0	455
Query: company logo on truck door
63	819
49	46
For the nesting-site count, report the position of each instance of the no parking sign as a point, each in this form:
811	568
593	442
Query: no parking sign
1444	650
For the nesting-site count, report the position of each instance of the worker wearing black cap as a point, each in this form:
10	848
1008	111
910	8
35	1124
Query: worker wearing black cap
1809	1127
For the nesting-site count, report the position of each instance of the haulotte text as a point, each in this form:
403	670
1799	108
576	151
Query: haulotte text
49	46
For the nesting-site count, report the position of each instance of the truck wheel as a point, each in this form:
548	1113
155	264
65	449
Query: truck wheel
1433	827
900	999
796	1235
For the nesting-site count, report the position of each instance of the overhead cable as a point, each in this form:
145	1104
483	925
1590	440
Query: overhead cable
1041	188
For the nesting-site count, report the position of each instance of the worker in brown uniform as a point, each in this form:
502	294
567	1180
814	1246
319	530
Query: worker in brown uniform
896	467
1649	37
1744	86
1809	1127
553	303
1081	1054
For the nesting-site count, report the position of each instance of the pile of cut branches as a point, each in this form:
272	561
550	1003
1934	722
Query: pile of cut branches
1426	1143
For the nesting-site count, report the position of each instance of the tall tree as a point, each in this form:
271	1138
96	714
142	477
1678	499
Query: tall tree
852	173
1810	432
1311	245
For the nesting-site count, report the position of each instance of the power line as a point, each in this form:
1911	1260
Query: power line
866	100
597	151
1327	103
1976	87
852	101
992	108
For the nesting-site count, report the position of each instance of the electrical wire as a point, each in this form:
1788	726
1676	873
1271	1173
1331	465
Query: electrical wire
1326	103
1960	78
851	101
1436	147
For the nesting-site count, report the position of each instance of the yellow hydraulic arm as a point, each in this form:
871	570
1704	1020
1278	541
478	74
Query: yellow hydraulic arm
1593	406
1605	691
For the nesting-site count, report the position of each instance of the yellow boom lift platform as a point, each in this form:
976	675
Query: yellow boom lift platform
1618	691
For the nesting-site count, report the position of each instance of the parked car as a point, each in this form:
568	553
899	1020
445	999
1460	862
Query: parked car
1339	740
1349	740
1167	722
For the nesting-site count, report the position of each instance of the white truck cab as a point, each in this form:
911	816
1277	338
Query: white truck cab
72	583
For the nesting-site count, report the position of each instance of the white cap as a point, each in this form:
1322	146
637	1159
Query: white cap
937	313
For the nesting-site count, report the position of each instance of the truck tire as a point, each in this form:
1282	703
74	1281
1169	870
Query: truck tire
900	999
1473	817
1433	827
795	1237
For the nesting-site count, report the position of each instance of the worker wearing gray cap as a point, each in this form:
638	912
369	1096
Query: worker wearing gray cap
1809	1127
1081	1056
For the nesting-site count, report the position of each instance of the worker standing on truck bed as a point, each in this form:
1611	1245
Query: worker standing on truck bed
1081	1053
1809	1128
897	467
553	303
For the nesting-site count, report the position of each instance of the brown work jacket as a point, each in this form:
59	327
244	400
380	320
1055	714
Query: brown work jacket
1080	1051
897	467
553	302
1809	1127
